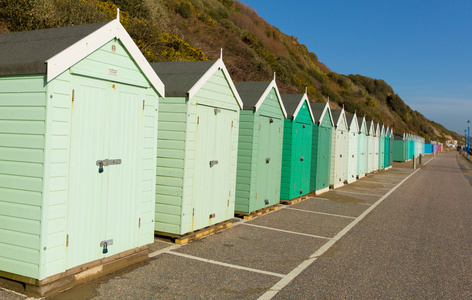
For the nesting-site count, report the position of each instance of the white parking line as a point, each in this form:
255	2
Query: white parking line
305	264
167	249
429	160
287	231
320	213
225	264
349	192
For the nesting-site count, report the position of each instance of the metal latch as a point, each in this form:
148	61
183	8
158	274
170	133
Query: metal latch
212	216
213	162
266	201
301	158
104	244
106	162
271	120
217	110
267	160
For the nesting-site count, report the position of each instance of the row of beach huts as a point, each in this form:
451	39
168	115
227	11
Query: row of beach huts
100	150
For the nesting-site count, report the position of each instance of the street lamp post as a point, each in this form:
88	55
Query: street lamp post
465	140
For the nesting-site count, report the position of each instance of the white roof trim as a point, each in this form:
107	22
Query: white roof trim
354	119
370	128
382	130
218	65
300	104
343	116
81	49
326	108
272	85
365	124
377	129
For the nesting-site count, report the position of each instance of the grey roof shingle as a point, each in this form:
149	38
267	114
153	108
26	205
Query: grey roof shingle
349	118
359	121
251	91
336	113
26	52
179	77
317	110
291	102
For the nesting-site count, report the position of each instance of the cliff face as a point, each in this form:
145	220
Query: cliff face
175	30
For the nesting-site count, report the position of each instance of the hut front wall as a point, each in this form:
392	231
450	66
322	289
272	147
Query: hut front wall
22	146
211	135
386	151
381	152
352	156
113	116
260	139
171	145
362	153
296	160
321	154
399	150
338	157
376	153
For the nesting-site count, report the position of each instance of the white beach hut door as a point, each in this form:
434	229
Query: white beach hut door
106	131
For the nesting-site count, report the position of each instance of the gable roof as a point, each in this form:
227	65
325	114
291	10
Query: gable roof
362	124
319	110
339	114
255	92
370	128
184	78
52	51
352	121
294	102
398	136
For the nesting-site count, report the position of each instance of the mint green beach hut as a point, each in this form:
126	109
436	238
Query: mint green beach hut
370	146
387	149
296	159
352	148
362	148
197	146
321	148
78	135
260	146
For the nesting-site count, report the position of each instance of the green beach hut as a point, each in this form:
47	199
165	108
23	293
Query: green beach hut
352	148
376	147
260	146
338	149
382	148
399	147
362	148
321	148
296	155
197	146
78	135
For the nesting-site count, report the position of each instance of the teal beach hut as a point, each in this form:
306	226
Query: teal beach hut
296	158
352	148
321	148
78	117
390	156
382	147
362	148
400	147
260	146
197	146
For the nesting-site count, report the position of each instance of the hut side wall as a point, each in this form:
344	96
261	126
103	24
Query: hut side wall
287	176
245	179
399	150
170	164
321	154
22	144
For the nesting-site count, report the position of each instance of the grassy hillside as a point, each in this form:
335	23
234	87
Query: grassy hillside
174	30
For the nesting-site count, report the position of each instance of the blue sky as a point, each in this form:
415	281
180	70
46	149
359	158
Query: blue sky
423	49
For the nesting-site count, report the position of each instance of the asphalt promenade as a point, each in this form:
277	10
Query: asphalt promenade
400	233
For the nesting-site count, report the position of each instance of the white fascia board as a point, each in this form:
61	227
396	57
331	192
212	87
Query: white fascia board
218	65
81	49
272	85
356	126
377	129
300	104
370	128
342	116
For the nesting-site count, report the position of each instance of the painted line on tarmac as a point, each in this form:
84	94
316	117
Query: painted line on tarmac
429	161
324	199
305	264
320	213
288	231
164	250
226	264
364	194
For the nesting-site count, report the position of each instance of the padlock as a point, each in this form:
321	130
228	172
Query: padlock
105	246
100	167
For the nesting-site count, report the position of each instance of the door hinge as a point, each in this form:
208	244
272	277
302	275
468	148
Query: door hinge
144	101
139	224
193	212
73	95
67	240
198	120
228	203
232	124
259	127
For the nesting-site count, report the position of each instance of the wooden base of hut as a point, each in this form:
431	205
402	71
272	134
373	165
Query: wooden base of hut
195	235
256	213
294	200
74	276
322	191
